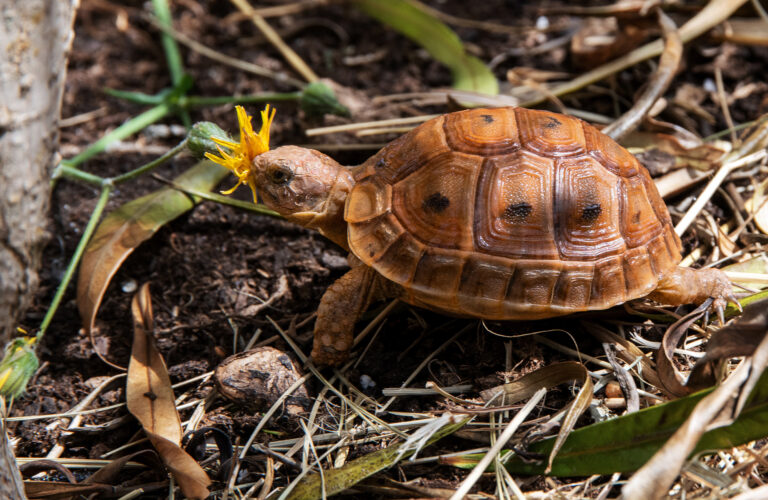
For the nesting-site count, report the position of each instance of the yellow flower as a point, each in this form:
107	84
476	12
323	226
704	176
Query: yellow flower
241	154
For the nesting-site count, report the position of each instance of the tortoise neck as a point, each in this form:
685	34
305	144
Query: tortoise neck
330	221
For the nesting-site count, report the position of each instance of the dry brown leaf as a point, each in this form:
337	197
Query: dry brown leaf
627	352
719	408
50	490
546	377
599	40
150	399
124	229
672	382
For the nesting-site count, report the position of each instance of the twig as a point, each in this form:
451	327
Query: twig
217	56
718	179
714	13
657	85
292	57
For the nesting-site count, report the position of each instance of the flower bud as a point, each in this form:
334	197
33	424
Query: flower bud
199	139
18	365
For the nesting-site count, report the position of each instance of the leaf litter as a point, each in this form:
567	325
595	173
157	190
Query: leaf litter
351	422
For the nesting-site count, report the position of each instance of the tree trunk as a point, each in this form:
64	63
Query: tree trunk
35	36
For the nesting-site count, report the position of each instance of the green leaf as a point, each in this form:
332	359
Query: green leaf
126	228
406	16
331	482
625	443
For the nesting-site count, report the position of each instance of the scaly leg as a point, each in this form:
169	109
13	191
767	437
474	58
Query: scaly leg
340	307
684	285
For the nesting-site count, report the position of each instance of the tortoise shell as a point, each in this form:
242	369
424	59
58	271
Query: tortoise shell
511	213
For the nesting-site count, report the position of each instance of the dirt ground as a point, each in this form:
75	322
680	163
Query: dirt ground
207	267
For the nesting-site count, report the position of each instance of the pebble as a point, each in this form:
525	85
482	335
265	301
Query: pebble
257	378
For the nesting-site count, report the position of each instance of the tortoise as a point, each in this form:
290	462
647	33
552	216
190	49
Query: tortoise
501	214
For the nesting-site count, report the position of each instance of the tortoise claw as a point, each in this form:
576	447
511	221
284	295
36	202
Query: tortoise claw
720	314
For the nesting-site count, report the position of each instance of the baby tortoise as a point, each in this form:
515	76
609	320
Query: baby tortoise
502	214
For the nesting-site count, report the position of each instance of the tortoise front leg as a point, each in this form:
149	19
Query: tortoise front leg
684	285
340	308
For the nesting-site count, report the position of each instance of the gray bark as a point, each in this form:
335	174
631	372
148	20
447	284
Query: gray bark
35	36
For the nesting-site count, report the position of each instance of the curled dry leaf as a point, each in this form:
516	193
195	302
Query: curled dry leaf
719	408
150	399
126	228
600	39
740	338
672	381
627	352
547	377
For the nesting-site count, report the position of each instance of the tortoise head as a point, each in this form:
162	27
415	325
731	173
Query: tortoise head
305	186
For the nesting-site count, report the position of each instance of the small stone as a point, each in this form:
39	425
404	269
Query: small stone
613	390
129	286
257	378
542	23
334	262
366	382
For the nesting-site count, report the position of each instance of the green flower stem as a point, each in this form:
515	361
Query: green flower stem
149	166
106	189
225	200
128	128
64	170
198	102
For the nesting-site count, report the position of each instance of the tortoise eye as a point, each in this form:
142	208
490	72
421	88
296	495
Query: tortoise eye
280	174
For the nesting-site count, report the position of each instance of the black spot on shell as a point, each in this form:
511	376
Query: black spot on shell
487	118
636	218
516	212
552	122
591	212
436	203
381	163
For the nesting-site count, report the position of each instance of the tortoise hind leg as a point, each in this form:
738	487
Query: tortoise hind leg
340	307
684	285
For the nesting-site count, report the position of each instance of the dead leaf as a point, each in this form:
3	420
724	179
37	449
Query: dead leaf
150	399
719	408
547	377
672	382
126	228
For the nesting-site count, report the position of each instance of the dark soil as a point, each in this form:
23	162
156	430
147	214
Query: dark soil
211	264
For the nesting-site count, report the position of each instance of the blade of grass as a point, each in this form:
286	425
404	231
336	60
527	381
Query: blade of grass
172	54
73	262
127	129
405	16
